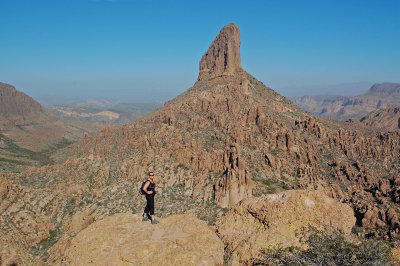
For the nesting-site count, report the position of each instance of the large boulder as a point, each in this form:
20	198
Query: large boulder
274	221
123	239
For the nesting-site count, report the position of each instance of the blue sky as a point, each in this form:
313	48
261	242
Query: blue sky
150	50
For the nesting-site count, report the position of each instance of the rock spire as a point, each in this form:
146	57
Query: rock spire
223	55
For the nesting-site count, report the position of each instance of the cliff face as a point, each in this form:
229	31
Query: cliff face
223	56
226	139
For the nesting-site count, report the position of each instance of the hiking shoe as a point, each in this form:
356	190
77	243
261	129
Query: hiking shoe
154	221
145	218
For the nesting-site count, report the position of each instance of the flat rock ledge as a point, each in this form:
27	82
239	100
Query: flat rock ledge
123	239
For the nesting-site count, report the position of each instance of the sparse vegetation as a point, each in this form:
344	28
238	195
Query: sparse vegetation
41	249
18	158
180	165
331	249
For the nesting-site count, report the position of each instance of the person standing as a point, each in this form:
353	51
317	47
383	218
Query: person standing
149	189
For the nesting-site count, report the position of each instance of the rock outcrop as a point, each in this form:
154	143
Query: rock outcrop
223	55
235	184
123	239
272	221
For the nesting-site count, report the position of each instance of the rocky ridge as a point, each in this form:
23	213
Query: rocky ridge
16	107
226	139
29	132
379	96
384	120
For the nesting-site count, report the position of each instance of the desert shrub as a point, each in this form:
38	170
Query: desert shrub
331	249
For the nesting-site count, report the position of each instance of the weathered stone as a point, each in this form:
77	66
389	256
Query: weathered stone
372	218
223	55
272	221
392	217
236	183
123	239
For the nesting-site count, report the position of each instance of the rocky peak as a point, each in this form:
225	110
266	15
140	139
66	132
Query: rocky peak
223	55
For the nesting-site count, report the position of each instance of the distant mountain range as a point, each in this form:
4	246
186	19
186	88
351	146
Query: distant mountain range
379	96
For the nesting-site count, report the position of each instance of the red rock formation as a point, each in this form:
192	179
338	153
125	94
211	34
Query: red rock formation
223	55
235	184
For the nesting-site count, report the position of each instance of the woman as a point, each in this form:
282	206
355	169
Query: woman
149	189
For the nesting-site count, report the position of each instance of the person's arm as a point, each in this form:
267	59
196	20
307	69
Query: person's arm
145	188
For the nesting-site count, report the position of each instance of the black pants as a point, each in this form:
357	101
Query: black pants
150	204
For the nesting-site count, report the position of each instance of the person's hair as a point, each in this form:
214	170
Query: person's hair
151	173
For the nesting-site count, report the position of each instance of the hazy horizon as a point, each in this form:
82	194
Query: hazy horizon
343	89
143	51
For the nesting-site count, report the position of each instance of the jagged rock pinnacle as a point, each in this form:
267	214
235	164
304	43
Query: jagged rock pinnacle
223	55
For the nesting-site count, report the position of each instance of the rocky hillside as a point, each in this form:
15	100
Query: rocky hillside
385	120
379	96
16	107
276	221
29	132
226	139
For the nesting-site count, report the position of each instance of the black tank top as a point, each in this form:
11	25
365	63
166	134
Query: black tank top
151	186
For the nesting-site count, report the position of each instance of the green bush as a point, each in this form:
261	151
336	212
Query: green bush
329	250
